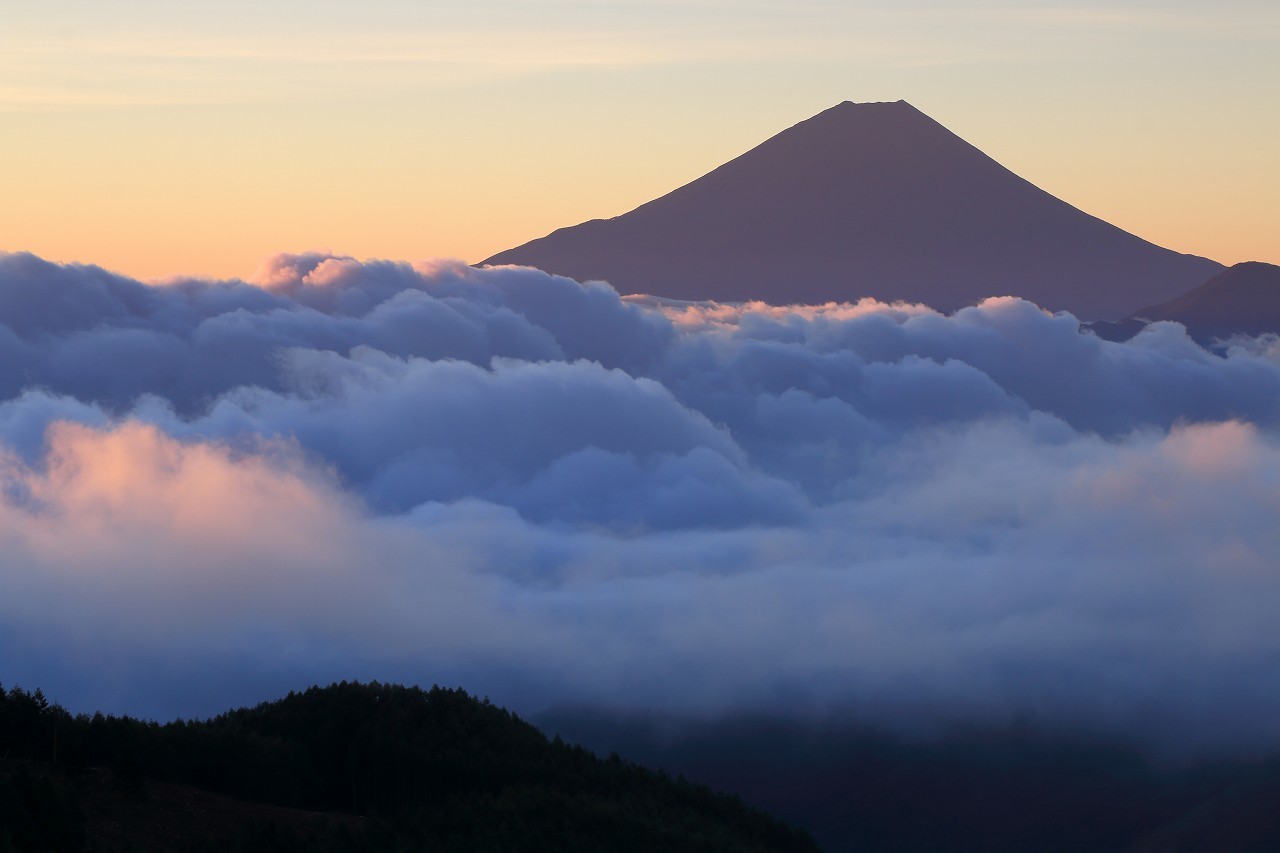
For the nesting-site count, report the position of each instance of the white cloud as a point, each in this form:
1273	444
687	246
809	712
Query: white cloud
505	479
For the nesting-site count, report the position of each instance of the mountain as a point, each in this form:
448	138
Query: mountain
873	199
1244	300
349	767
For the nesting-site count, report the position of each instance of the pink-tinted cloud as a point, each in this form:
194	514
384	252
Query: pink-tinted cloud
550	494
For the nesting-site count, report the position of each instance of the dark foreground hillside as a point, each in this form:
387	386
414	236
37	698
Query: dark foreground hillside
998	790
346	767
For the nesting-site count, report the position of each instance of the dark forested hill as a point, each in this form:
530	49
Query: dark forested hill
1003	789
346	767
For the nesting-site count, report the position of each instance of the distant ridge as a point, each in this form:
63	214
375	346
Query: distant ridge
1242	300
873	199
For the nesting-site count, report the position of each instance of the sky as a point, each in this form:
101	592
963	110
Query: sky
161	139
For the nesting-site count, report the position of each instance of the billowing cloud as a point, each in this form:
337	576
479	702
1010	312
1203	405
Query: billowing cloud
551	494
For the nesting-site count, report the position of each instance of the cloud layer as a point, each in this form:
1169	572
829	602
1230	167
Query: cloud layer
551	494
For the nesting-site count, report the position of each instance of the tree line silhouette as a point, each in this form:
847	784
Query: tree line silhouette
428	769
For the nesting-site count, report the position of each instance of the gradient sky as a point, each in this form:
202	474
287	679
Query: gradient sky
158	138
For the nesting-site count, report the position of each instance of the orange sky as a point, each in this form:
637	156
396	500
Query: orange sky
216	134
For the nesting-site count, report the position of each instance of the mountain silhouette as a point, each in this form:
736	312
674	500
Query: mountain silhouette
1242	300
873	199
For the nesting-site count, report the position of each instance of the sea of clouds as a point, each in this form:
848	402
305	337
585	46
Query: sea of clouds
215	491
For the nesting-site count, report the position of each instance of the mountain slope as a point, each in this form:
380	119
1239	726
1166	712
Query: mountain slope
428	770
996	789
875	200
1244	299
